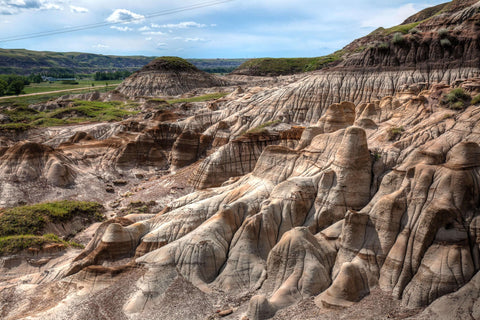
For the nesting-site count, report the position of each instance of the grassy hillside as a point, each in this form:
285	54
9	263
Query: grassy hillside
283	66
20	61
25	62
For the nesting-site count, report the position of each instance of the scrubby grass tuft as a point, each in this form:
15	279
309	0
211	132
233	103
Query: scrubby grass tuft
445	43
476	99
207	97
398	39
457	99
394	133
262	128
442	33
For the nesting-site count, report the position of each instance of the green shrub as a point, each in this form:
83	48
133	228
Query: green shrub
414	31
383	46
442	33
394	133
261	128
207	97
476	99
456	99
398	39
445	43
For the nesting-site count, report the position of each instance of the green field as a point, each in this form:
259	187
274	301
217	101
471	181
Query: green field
57	85
24	101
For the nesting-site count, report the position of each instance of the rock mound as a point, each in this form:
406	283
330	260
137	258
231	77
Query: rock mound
168	76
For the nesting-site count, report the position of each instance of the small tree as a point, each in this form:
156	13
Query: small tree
16	86
3	87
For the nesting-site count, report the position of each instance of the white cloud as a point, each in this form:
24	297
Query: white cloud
161	45
125	16
154	33
181	25
100	46
148	38
195	40
75	9
10	7
123	29
389	17
144	28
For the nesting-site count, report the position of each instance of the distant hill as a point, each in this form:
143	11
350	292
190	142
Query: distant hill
25	62
442	36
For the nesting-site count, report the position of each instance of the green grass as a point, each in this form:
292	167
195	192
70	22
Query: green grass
398	38
81	111
476	99
284	66
23	227
262	128
207	97
47	86
13	244
41	98
33	218
403	28
456	99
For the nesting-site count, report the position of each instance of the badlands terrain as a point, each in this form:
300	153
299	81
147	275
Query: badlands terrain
349	192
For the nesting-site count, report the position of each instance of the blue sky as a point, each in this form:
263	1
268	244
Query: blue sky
234	29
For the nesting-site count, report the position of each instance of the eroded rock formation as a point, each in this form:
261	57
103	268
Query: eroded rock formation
168	76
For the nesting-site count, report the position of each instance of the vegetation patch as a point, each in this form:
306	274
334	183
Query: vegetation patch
13	244
284	66
170	64
442	33
398	39
456	99
414	31
262	128
23	118
394	133
206	97
476	99
445	43
32	219
22	227
403	28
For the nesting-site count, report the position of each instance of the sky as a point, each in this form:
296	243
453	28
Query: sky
198	28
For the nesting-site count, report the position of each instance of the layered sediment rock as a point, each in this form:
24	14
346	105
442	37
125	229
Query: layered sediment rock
167	76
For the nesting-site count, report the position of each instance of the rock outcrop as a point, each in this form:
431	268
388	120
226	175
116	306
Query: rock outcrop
168	76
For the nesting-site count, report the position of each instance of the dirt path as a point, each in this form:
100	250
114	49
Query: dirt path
49	92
